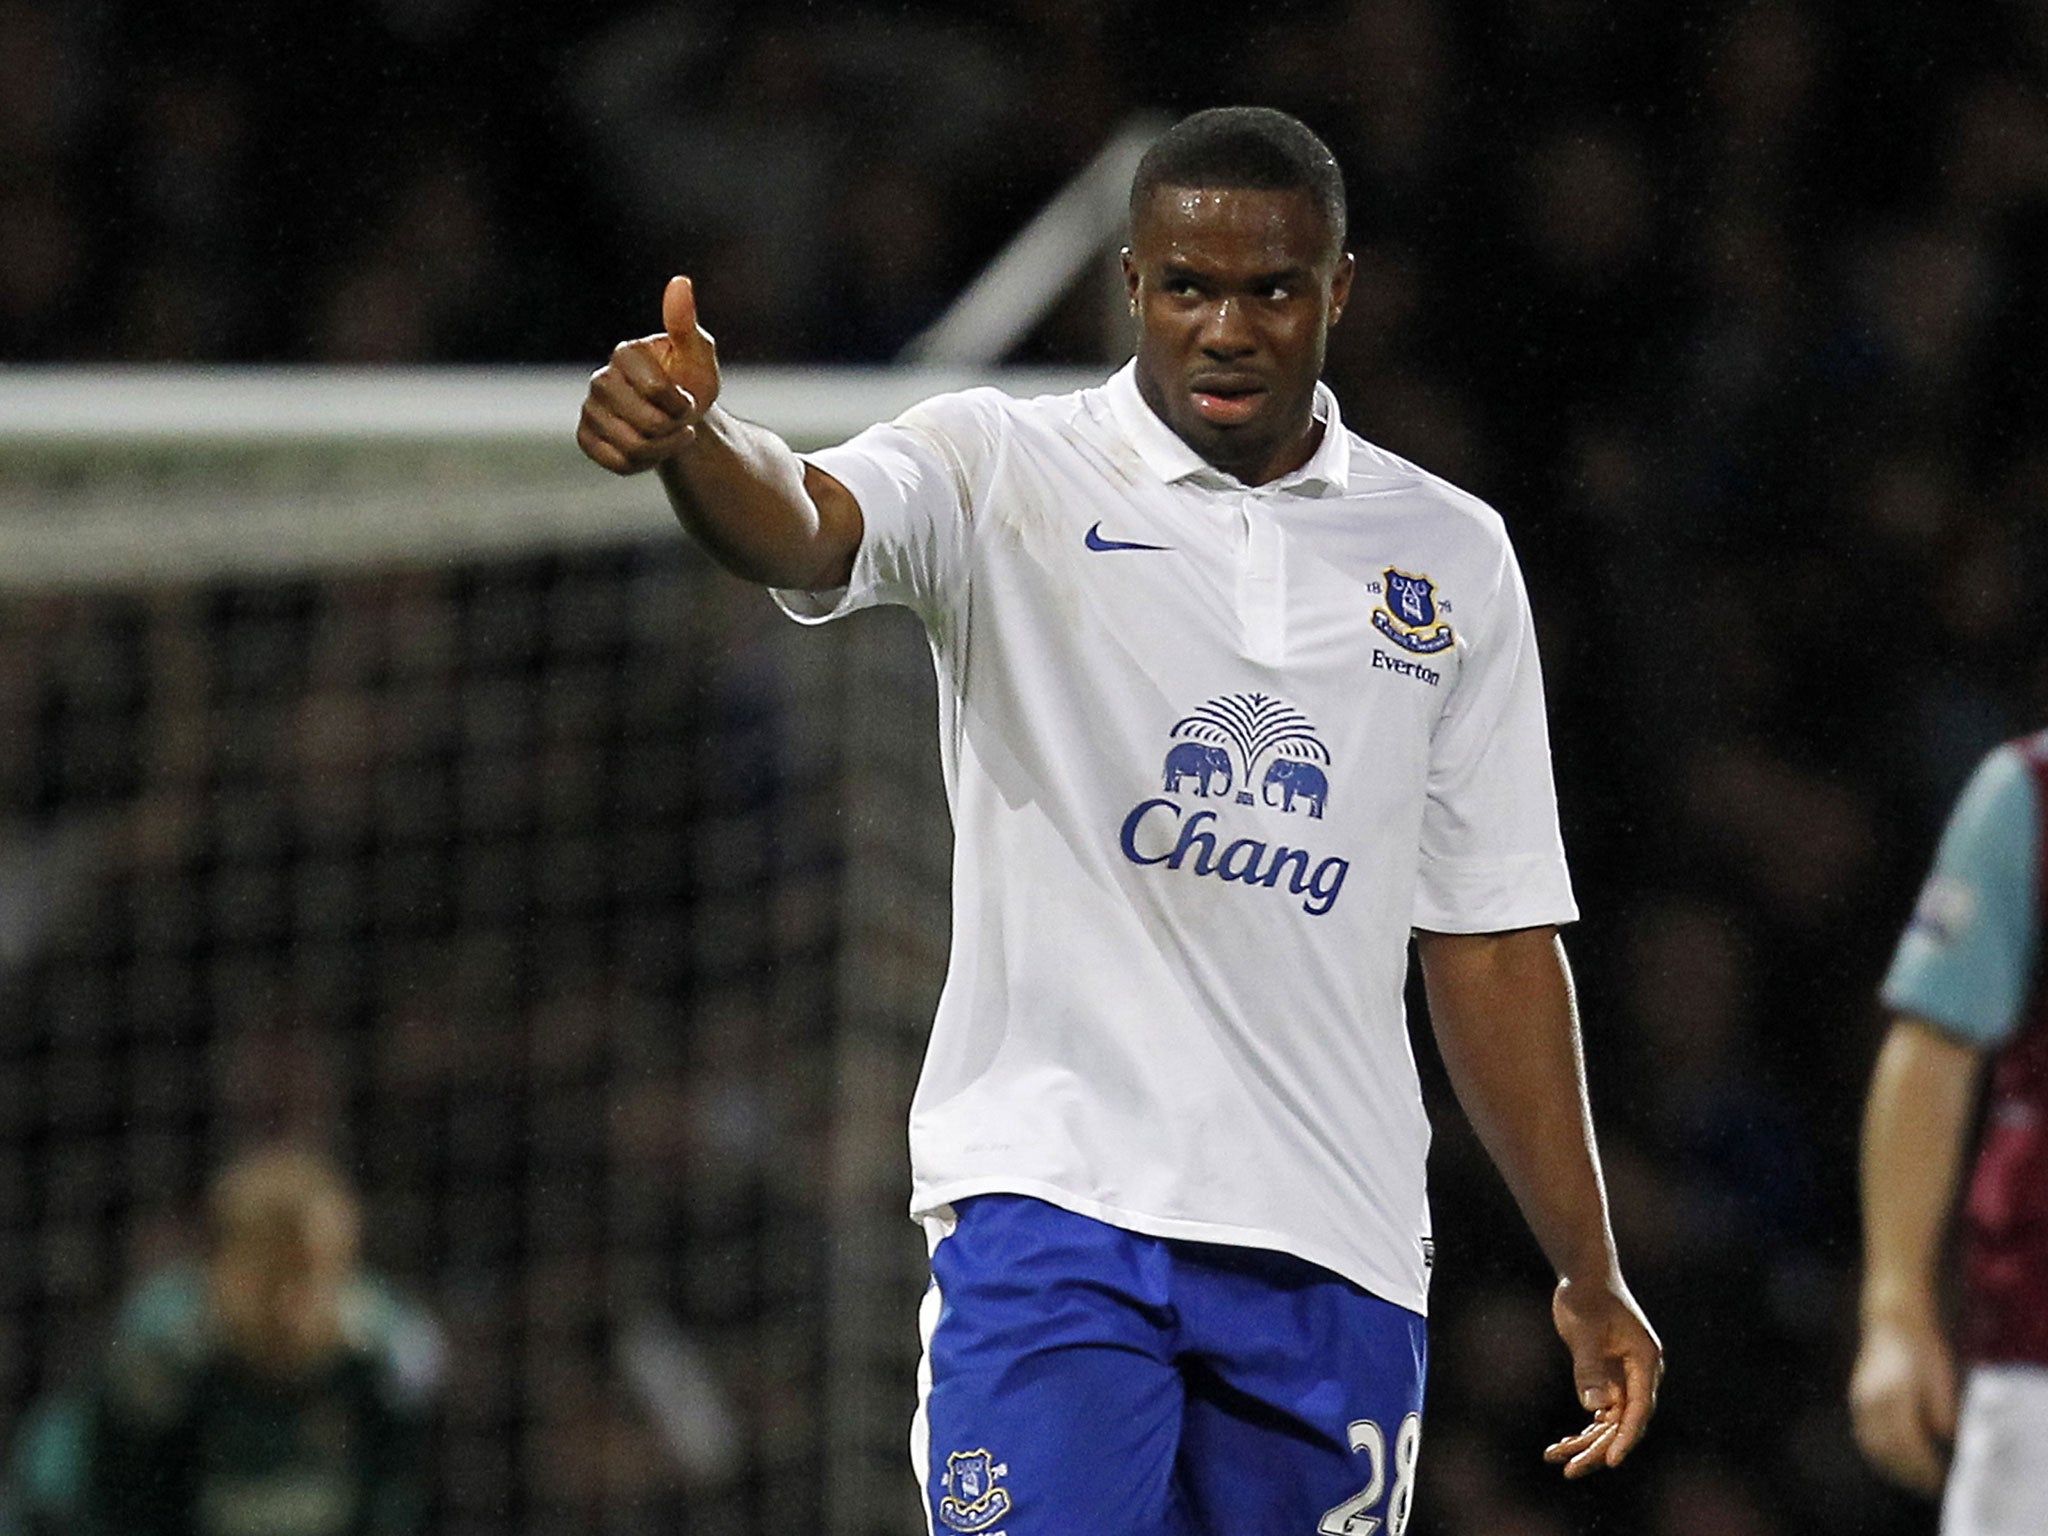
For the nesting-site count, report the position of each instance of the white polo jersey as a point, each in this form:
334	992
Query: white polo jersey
1212	751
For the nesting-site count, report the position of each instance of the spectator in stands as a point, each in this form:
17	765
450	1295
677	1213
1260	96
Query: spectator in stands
275	1388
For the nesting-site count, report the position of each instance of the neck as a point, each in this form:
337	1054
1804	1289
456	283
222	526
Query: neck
1282	463
1254	466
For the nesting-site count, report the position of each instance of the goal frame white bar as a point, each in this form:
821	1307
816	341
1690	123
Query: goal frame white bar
121	475
108	408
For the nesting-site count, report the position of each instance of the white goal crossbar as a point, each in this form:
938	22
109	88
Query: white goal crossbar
114	475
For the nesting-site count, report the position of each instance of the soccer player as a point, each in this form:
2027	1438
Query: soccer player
277	1388
1966	987
1231	702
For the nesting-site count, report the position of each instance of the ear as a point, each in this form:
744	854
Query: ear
1130	267
1340	285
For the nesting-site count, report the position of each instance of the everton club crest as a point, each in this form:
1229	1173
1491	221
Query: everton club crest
975	1498
1408	617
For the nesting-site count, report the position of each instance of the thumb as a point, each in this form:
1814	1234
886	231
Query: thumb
679	310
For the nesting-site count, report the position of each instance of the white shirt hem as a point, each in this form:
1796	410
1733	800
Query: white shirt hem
934	1202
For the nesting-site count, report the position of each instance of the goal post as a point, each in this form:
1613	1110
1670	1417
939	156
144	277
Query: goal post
375	770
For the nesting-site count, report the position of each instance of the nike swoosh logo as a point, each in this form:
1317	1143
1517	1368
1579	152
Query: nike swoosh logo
1097	542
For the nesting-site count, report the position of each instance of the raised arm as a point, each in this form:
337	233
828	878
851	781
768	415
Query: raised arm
1501	1005
1902	1392
759	510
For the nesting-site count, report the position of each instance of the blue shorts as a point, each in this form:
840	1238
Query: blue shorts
1082	1380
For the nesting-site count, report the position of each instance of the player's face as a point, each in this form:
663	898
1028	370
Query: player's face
1235	290
278	1298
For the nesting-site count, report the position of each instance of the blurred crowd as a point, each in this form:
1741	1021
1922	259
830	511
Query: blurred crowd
1733	309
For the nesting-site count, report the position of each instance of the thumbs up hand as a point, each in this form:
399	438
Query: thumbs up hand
644	405
692	360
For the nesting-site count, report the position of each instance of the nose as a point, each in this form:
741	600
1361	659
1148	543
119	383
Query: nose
1226	331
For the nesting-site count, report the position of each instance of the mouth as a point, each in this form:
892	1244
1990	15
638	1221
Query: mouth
1226	400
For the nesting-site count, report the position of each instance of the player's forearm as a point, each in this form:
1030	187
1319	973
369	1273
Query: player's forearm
1914	1126
1501	1006
742	493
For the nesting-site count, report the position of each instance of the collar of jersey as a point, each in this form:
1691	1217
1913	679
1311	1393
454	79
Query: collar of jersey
1328	469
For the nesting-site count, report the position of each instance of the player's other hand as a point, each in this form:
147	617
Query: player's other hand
644	405
1617	1366
1902	1396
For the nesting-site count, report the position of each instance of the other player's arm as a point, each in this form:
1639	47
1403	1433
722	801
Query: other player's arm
1902	1392
1502	1009
758	509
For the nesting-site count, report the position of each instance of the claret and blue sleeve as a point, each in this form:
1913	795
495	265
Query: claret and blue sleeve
1967	958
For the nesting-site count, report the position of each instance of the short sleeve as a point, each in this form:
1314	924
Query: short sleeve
1492	857
1967	956
914	479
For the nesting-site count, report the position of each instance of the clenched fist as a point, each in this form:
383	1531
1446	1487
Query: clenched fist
644	404
1902	1396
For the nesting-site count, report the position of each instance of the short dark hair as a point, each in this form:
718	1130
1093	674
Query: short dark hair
1257	147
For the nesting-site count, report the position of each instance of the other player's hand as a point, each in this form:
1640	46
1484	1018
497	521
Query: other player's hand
1617	1366
644	405
1902	1396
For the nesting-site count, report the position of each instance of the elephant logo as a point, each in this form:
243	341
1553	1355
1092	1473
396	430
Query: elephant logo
1223	745
1204	764
1288	778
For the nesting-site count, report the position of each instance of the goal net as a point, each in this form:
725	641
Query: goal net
375	772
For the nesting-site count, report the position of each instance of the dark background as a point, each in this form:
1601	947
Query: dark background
1734	311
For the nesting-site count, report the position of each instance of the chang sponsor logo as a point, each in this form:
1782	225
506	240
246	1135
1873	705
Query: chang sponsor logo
1222	747
1245	749
1162	833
